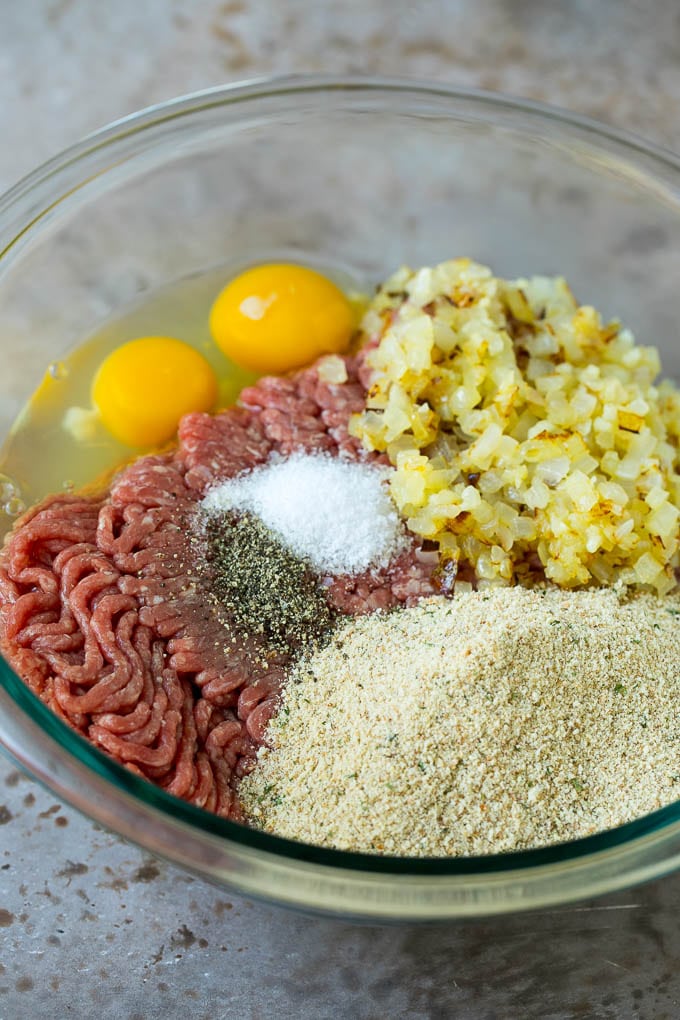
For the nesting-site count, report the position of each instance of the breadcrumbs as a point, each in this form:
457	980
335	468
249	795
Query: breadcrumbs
497	720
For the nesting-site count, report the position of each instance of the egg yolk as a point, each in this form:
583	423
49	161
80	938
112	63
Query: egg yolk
273	318
145	386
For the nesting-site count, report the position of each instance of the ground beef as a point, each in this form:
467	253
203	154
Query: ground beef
105	614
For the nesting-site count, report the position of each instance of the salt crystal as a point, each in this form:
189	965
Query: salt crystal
336	514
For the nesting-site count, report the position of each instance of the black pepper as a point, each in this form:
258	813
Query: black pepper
265	589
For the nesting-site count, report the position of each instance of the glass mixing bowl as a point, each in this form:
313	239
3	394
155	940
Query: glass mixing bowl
361	175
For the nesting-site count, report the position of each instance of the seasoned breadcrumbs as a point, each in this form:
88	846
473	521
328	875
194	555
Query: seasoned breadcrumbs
497	720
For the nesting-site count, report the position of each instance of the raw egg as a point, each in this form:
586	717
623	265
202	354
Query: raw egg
143	388
276	317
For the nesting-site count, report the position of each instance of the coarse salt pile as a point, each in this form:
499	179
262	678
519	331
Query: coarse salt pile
336	514
497	720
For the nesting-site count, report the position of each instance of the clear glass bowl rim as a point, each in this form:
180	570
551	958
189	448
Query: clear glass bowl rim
22	209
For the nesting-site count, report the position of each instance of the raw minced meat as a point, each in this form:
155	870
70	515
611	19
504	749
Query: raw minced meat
105	611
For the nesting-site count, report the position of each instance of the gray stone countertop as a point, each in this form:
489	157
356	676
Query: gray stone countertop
89	925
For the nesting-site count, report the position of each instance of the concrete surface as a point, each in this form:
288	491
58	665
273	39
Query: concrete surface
89	926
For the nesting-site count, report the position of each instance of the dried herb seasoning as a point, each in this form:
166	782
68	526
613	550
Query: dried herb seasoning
265	589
